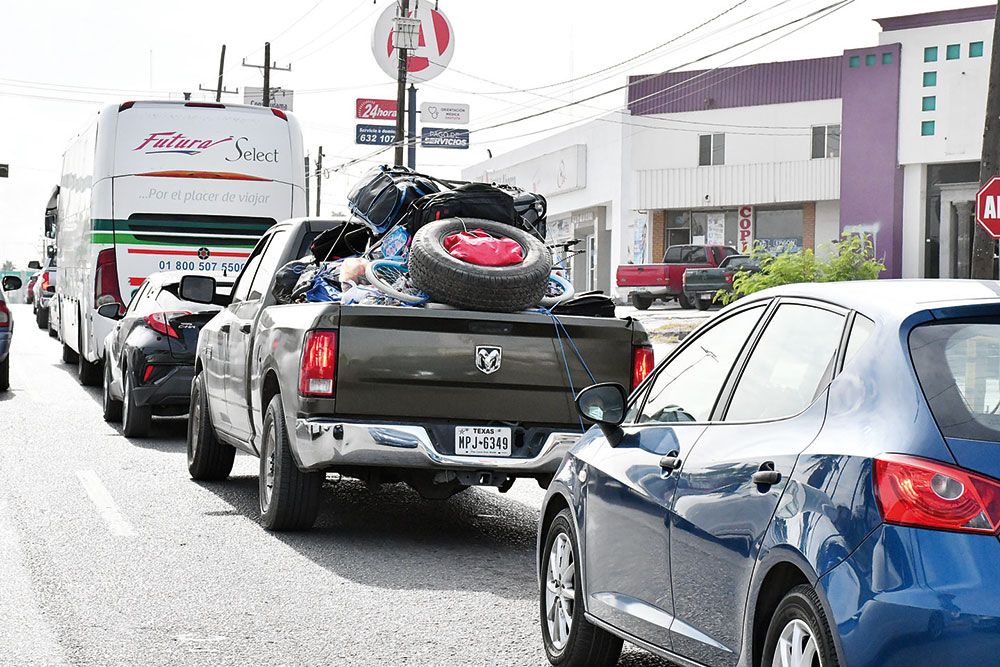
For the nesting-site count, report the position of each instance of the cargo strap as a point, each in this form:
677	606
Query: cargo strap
560	331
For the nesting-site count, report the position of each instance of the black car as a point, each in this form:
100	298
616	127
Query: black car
149	355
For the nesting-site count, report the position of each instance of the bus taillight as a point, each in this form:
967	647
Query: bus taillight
106	288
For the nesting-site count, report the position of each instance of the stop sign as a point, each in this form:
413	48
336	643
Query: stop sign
988	207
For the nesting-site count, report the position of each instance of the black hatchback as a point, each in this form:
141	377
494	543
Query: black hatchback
149	356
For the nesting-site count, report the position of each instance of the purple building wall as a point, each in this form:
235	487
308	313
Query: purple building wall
740	86
871	180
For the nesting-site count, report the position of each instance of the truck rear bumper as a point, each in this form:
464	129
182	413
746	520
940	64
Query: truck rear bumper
325	443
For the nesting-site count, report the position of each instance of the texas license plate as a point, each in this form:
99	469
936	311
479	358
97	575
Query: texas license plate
482	440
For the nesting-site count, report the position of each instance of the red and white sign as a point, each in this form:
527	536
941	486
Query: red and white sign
434	50
374	109
988	207
745	229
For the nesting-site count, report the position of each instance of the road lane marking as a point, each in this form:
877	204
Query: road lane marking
105	505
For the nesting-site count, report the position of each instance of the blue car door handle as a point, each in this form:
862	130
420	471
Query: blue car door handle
766	475
671	462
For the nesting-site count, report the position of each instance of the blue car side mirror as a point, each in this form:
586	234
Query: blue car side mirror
604	404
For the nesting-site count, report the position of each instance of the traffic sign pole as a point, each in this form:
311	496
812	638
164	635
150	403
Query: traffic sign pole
411	137
404	10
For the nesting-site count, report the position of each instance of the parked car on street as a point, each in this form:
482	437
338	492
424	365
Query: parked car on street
44	289
650	282
10	284
149	354
809	479
437	397
702	285
29	296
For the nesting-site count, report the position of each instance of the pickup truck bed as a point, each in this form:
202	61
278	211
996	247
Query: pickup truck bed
665	280
436	397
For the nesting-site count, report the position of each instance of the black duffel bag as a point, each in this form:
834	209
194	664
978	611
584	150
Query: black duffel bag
385	194
471	200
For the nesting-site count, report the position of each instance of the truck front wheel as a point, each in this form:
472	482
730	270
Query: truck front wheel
209	459
289	497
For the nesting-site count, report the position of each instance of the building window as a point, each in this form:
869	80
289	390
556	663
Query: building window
953	52
855	62
930	79
886	58
825	141
870	60
711	149
930	54
976	50
929	103
927	128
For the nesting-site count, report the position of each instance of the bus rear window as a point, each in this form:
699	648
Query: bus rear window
958	365
210	230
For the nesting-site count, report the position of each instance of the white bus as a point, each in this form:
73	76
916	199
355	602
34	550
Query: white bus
158	186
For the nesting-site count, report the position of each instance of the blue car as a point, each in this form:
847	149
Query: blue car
10	283
809	480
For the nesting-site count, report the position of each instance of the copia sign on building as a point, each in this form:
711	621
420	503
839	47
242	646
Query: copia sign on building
432	55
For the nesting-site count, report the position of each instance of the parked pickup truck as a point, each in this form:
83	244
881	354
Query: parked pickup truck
649	282
701	285
439	398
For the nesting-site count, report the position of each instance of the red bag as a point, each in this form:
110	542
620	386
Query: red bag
479	248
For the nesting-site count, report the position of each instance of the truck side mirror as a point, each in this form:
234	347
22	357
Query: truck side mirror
34	265
198	289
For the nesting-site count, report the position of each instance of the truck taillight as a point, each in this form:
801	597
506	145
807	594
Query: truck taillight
318	375
160	322
729	277
917	492
45	281
4	315
642	363
106	279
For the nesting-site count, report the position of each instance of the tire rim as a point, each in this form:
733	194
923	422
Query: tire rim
560	591
194	424
796	647
267	476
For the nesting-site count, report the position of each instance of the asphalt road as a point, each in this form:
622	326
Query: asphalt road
111	555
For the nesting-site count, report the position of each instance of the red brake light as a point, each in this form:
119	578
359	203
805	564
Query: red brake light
4	315
319	364
917	492
205	105
642	363
125	105
160	322
106	279
729	277
45	281
279	113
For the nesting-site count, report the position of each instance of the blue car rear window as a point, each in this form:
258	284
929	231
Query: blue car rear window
958	365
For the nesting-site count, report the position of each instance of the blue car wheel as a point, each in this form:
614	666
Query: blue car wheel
799	635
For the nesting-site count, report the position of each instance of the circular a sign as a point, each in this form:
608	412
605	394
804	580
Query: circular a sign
204	253
433	53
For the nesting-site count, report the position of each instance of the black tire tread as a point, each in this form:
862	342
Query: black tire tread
641	301
485	288
5	374
805	596
589	645
214	459
42	318
138	418
296	494
68	355
112	407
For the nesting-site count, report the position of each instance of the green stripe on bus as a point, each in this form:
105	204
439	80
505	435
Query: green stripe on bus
105	224
104	238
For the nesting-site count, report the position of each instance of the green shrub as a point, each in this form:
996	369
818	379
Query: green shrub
851	258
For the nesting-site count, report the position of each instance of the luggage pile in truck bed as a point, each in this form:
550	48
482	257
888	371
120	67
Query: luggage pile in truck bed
414	239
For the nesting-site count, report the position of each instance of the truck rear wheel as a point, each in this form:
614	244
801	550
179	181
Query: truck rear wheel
209	459
702	304
68	355
289	497
684	302
642	301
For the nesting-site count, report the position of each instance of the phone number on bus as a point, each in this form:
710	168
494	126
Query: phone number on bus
231	268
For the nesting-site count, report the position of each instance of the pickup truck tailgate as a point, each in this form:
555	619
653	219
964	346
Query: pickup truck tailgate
643	275
410	362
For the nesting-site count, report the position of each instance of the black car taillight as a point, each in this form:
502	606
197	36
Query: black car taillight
161	322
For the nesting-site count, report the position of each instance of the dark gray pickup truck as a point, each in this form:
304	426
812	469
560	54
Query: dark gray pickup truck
438	398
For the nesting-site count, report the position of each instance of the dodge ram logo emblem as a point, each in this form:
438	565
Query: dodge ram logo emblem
488	358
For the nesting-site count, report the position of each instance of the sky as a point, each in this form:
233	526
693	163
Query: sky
62	60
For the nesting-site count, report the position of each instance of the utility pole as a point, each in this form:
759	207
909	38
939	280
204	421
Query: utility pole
404	11
983	245
219	89
411	137
267	67
319	178
308	178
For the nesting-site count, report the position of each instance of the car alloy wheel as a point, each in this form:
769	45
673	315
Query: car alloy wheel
560	591
796	647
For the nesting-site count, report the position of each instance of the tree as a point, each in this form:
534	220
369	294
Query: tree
851	258
7	265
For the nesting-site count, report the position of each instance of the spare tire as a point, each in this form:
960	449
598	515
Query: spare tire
502	289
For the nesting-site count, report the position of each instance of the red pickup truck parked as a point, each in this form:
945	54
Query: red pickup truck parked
649	282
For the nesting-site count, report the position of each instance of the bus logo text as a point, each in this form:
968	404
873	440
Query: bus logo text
176	142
